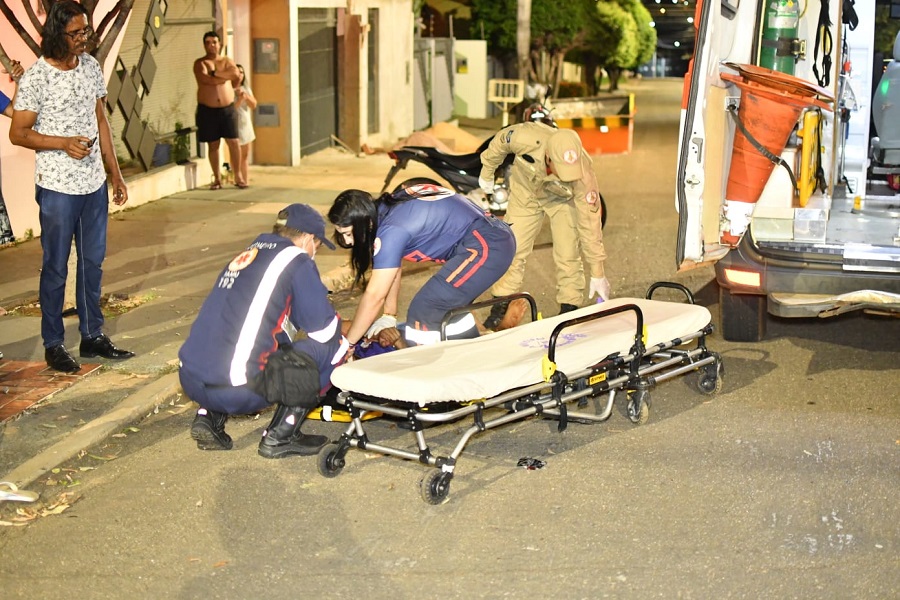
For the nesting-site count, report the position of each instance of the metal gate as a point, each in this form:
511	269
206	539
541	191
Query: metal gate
317	60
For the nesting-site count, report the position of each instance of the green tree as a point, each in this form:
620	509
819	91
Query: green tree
885	30
613	40
646	34
556	28
619	37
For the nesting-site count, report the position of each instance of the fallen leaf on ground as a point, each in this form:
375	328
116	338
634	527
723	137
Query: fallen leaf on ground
107	457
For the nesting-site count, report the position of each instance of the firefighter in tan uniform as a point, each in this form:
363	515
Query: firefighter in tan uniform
552	175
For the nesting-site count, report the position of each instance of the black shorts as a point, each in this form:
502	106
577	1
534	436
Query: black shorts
214	124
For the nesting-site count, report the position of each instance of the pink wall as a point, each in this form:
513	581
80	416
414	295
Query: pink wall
15	162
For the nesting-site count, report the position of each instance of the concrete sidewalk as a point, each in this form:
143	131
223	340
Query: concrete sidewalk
163	256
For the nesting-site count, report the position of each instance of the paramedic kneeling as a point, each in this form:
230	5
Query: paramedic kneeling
243	352
423	222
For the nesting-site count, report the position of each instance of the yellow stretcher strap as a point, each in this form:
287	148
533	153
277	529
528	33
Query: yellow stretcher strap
548	368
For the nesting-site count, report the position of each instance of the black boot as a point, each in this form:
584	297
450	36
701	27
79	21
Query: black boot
497	312
283	436
208	430
564	308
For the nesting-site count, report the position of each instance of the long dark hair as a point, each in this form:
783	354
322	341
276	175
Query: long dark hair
356	209
53	37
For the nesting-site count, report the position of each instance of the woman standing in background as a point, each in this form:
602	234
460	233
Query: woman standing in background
245	102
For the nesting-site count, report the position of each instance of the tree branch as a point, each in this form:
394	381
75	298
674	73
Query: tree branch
121	11
14	21
29	10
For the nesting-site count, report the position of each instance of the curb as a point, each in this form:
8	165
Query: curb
131	409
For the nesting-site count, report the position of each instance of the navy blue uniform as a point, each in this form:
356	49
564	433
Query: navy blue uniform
436	224
263	297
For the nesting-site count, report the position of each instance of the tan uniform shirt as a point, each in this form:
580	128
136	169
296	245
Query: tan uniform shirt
529	179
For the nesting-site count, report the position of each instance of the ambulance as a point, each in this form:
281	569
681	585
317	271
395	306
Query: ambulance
789	159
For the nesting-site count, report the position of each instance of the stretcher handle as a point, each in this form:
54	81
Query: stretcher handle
638	336
484	303
672	285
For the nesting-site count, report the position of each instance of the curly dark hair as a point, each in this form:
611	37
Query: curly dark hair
53	41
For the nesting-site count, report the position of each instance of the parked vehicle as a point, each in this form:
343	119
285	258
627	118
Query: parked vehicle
801	85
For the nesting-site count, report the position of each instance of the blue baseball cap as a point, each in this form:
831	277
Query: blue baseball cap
305	218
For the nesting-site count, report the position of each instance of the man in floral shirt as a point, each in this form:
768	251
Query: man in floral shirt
60	113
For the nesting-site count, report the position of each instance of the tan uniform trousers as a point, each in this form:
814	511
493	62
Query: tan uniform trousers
525	216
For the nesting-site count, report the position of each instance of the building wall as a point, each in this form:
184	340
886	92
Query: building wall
270	19
173	92
275	19
17	164
470	90
396	72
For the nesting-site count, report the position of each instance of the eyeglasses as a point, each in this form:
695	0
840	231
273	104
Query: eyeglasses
85	33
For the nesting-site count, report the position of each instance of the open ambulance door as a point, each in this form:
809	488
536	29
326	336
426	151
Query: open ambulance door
724	32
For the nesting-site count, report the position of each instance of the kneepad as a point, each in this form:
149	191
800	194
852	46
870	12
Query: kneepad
291	378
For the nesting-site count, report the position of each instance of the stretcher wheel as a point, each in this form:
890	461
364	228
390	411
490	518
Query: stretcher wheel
330	461
436	487
709	385
638	409
708	380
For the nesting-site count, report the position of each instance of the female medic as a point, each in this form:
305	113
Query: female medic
422	222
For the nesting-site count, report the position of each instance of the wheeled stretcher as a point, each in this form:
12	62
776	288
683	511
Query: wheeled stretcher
540	368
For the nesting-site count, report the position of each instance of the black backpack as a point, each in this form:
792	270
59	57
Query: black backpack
290	378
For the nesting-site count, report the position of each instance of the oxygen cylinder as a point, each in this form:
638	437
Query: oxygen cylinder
778	50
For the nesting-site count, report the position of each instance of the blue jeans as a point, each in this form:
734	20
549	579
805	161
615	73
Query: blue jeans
62	217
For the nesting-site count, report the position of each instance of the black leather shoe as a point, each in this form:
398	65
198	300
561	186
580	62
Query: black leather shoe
102	346
59	359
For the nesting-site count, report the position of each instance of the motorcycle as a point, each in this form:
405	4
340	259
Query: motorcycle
461	171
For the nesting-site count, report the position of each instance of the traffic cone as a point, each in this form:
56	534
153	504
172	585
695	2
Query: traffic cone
771	103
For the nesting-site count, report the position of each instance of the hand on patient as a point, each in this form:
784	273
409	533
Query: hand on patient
390	336
382	322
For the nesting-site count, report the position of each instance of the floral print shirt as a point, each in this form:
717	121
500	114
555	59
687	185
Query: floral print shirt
65	103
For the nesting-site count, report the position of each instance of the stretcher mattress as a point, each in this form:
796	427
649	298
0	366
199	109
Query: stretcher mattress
465	370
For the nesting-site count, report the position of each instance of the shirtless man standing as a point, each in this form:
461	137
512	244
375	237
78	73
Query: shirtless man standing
217	118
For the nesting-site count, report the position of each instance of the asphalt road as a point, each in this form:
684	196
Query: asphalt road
784	485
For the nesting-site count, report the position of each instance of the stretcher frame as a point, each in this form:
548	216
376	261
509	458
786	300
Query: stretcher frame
634	374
